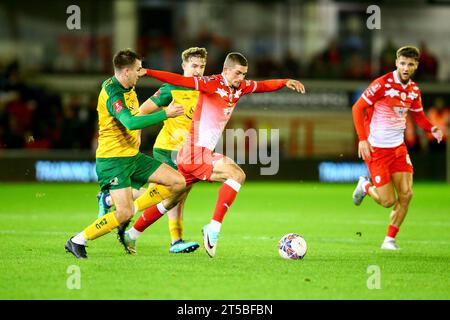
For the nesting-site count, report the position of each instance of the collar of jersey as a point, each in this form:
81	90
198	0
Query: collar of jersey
397	80
114	79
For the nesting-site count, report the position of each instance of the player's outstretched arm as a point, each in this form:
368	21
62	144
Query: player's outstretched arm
169	77
139	122
277	84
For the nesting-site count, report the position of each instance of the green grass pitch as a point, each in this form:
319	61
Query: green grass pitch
343	246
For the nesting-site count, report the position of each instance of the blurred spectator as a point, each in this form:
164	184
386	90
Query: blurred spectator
357	67
267	67
388	57
65	60
428	64
290	66
439	115
33	118
78	124
327	63
82	54
218	47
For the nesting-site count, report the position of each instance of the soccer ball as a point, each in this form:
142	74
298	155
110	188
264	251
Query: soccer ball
292	246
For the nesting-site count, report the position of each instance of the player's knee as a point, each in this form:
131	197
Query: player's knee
388	202
238	175
178	185
124	214
405	196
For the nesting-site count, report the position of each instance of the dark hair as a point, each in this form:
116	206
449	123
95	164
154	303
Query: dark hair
125	58
234	58
409	52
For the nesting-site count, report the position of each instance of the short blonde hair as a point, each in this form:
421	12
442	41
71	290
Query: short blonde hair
409	52
194	52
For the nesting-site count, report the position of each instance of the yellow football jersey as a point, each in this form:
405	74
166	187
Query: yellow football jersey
114	140
175	130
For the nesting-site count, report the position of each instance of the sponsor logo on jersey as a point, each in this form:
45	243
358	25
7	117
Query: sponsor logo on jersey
412	95
403	96
114	181
391	92
118	106
375	87
400	111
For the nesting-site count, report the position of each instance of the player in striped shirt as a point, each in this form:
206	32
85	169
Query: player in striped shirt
381	139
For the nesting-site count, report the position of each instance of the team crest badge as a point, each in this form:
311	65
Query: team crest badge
118	106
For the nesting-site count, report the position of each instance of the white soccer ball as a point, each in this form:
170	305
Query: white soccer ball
292	246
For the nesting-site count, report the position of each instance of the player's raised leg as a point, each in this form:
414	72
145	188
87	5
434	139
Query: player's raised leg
403	185
232	176
383	195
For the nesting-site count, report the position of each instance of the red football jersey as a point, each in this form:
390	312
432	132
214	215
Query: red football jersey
214	108
216	102
391	100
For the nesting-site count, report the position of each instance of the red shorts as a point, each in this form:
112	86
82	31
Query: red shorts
386	161
196	163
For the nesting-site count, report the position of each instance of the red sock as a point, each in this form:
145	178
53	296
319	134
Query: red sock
392	231
227	194
367	186
147	218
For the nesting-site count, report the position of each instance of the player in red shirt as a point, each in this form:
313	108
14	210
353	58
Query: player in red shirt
197	160
381	139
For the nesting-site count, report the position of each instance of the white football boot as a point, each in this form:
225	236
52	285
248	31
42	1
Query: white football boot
390	245
360	193
210	239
